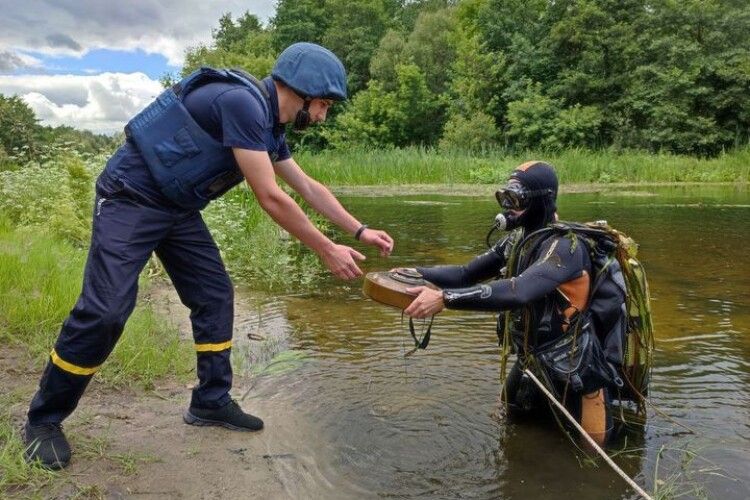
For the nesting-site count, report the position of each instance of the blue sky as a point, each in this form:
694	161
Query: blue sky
102	61
92	63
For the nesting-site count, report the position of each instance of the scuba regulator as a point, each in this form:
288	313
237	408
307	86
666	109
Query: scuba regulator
515	199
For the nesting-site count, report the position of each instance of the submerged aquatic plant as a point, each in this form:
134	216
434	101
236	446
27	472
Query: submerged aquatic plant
680	470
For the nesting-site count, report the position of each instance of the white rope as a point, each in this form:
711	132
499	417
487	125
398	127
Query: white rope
588	438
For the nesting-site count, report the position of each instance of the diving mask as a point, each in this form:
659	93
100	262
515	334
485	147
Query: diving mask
516	197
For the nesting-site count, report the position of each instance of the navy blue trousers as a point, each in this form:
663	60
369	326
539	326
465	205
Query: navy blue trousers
126	229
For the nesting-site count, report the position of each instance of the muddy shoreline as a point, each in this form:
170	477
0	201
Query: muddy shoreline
132	443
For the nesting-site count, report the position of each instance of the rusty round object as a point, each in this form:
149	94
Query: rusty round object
389	287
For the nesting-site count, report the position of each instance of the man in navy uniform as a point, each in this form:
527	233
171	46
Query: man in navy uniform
194	142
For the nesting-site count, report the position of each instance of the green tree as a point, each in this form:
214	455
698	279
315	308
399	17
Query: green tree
5	162
298	21
389	54
231	34
370	120
378	118
354	31
512	31
258	65
242	44
81	141
651	74
168	79
476	132
406	12
477	78
531	120
696	55
576	126
594	49
18	127
431	47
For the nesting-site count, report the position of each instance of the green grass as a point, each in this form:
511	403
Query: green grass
19	479
40	279
423	166
391	166
99	448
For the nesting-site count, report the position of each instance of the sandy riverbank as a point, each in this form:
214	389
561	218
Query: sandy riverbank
133	444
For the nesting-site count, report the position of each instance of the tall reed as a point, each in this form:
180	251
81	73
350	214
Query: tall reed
427	166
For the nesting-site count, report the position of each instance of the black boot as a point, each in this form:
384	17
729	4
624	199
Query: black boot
230	416
47	444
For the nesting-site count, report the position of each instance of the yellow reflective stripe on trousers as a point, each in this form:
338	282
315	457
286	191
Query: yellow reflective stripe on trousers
70	367
213	347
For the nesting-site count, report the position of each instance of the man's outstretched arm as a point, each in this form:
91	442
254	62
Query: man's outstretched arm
320	198
259	174
558	263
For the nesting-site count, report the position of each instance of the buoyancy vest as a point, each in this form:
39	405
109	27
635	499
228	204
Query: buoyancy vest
617	307
553	335
190	167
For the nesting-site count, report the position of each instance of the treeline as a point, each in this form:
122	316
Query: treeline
22	138
658	75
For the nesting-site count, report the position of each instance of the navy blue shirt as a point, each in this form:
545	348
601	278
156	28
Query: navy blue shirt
230	113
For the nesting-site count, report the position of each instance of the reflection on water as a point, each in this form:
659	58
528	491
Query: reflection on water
430	426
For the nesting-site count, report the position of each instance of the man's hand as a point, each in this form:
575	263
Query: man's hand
379	239
339	259
429	302
322	200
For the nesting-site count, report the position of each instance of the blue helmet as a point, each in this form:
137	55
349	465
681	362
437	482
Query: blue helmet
311	71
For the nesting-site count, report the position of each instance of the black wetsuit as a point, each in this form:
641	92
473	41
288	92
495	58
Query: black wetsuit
557	261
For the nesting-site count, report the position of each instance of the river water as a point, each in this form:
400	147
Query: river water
378	424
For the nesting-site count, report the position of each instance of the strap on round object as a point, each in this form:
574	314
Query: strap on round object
424	341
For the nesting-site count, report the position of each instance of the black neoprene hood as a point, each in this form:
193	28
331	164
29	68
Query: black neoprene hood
535	176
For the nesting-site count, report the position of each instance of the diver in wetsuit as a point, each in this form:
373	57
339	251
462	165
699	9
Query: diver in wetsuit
546	289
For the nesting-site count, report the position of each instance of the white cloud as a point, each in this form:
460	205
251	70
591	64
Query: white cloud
104	102
74	27
100	103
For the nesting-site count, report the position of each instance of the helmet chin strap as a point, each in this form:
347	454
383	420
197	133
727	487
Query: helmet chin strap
302	119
